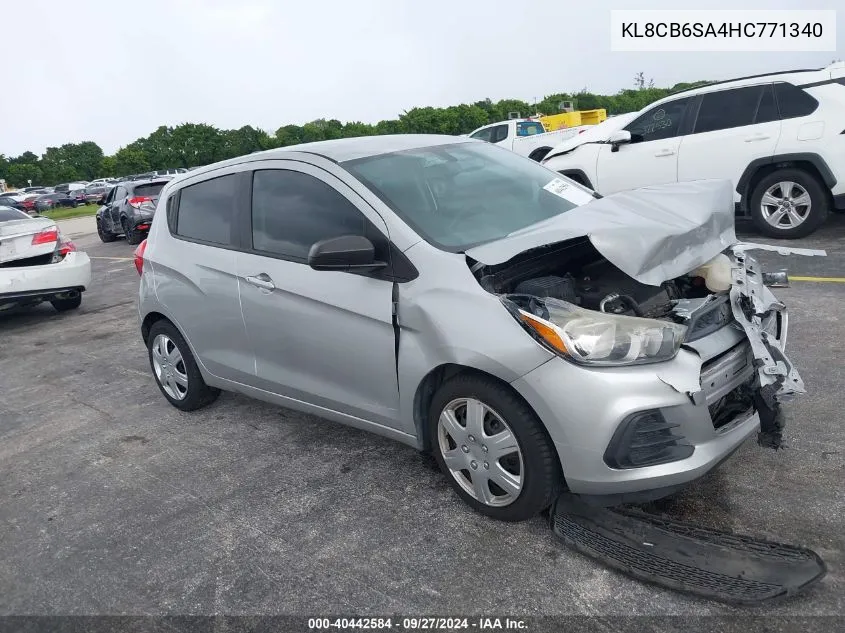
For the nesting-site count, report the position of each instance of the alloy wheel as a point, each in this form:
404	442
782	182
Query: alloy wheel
785	205
481	452
169	367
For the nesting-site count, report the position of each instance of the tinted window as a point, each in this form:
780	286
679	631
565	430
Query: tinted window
660	122
7	213
529	128
483	135
291	211
499	133
120	194
728	109
767	110
149	191
794	102
207	210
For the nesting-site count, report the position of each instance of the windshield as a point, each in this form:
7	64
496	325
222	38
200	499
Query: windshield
458	196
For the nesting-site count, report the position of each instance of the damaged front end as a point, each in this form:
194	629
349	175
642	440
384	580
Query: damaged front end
582	307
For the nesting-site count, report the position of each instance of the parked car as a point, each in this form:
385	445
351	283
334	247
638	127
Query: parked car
524	136
462	299
78	195
128	210
777	137
169	172
37	263
17	196
95	192
14	201
52	200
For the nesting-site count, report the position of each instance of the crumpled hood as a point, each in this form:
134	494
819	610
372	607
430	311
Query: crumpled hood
652	234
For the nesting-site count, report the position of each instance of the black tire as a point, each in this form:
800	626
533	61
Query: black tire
198	394
63	305
105	236
133	237
819	203
542	478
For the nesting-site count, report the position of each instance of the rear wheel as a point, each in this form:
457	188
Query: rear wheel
62	305
788	203
105	236
133	237
175	369
493	449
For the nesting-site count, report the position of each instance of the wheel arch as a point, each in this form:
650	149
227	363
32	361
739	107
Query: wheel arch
539	153
579	176
758	169
443	373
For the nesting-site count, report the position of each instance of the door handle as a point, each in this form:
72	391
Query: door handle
757	137
665	152
262	281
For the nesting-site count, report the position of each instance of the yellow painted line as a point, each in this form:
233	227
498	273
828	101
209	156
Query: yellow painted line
836	280
117	259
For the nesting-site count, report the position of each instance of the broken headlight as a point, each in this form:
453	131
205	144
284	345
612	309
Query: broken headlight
596	338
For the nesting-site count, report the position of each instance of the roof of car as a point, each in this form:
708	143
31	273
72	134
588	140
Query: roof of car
344	149
798	77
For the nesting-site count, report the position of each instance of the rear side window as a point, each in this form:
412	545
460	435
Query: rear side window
207	210
727	109
794	102
291	211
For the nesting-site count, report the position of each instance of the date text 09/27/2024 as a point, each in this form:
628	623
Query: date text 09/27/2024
418	624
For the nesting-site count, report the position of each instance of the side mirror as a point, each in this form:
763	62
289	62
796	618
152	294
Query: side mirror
620	137
344	253
102	200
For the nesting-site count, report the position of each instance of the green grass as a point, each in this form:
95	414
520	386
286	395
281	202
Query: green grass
66	212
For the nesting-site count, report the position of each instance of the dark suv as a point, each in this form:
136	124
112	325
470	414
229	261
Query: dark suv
128	210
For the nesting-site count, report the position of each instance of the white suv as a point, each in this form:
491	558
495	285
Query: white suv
780	138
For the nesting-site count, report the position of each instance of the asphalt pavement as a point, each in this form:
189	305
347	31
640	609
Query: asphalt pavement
112	501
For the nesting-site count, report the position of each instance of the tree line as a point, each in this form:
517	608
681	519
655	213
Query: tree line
195	144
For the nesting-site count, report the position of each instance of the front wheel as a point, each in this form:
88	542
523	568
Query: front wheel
493	449
105	236
175	369
788	203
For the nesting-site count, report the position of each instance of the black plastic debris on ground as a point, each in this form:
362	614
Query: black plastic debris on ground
721	566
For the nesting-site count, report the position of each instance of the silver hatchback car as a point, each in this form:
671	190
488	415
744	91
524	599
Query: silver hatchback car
468	301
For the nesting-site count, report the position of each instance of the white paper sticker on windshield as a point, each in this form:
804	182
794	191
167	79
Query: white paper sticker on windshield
569	192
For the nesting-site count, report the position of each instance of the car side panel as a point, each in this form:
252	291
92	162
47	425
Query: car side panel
822	132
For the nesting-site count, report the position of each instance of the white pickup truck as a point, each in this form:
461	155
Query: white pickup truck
524	136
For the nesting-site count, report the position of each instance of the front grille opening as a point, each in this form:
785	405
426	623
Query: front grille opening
736	403
646	439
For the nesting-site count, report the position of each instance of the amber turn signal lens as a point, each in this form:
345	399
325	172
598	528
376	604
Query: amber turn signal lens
546	332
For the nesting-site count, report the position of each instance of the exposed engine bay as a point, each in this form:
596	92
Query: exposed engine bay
577	273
